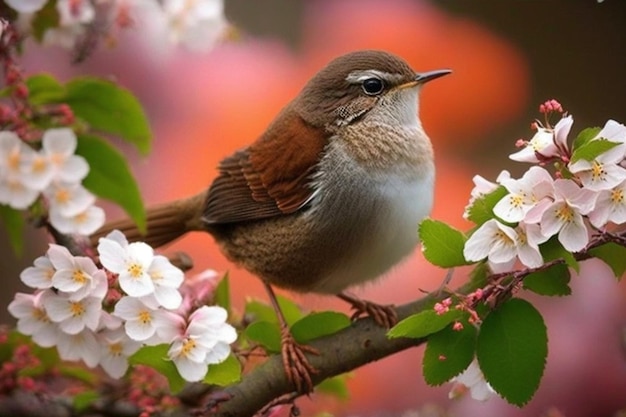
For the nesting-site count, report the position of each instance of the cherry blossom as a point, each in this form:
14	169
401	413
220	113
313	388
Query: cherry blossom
546	142
33	320
116	347
13	154
474	380
82	346
68	199
72	316
524	195
610	206
565	214
131	262
206	341
77	276
83	223
603	172
141	316
40	275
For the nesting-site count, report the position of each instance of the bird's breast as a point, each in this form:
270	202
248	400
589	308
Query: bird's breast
368	214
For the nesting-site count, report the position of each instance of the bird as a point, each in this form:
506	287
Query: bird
328	197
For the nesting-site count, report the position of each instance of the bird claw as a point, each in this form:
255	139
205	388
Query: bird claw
383	315
295	362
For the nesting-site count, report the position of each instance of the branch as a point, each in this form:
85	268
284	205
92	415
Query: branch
361	343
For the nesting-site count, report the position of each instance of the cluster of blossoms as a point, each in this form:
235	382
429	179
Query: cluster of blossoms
587	194
103	315
55	173
196	24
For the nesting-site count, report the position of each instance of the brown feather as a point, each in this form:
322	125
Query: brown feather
272	177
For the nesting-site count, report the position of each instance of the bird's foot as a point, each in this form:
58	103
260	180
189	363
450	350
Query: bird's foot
295	362
383	315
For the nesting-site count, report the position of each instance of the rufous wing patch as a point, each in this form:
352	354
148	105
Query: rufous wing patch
271	177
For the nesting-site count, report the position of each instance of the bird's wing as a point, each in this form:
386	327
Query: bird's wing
272	177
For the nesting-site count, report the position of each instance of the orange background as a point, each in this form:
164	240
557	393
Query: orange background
204	107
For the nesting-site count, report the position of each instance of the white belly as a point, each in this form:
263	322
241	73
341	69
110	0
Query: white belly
387	216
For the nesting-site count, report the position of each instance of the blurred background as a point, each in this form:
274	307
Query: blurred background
507	58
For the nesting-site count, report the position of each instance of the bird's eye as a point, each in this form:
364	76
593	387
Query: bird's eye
373	86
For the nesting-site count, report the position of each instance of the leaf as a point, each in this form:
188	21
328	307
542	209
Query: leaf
83	400
613	255
320	324
585	136
110	177
265	334
221	296
224	373
448	353
44	88
47	17
423	324
107	107
552	281
156	358
262	311
511	348
592	149
335	386
14	226
553	250
442	245
481	209
78	373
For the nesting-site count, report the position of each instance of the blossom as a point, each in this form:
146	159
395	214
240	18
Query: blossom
206	341
83	223
80	346
39	275
13	191
32	319
141	316
72	316
26	6
603	172
492	240
524	195
197	24
77	276
166	278
131	262
564	215
68	199
483	187
610	206
473	379
546	142
115	348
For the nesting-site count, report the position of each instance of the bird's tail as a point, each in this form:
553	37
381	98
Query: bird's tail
164	223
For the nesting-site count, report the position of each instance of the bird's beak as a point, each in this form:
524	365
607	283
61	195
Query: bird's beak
424	77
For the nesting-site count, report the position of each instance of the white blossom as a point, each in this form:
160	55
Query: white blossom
84	223
116	347
32	319
72	316
82	346
474	380
77	276
39	275
131	263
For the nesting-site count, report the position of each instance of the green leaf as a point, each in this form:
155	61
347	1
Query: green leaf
553	250
585	136
423	323
613	255
448	353
107	107
110	177
83	400
156	358
262	311
221	296
481	209
78	373
335	386
46	18
224	373
511	348
14	226
265	334
44	88
592	149
442	245
553	281
320	324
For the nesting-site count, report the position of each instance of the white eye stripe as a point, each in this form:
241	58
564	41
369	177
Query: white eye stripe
356	77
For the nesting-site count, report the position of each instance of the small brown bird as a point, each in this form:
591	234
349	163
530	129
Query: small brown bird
328	197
